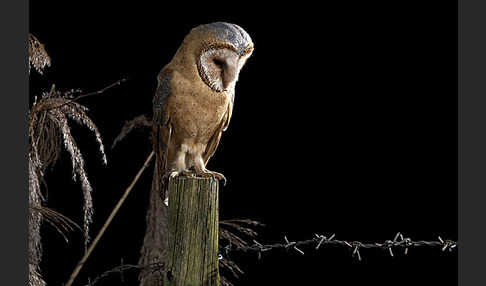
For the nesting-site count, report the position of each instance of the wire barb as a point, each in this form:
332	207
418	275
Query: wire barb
356	245
292	244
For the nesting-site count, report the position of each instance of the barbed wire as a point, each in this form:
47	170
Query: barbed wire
399	241
318	241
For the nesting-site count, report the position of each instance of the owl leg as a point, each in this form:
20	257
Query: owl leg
201	171
178	167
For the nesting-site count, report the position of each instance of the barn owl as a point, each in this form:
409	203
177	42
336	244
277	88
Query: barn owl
194	99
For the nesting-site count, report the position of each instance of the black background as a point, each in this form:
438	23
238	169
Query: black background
345	122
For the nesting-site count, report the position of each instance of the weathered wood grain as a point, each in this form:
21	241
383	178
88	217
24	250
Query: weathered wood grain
193	232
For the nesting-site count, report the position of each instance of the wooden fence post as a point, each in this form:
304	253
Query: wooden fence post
193	232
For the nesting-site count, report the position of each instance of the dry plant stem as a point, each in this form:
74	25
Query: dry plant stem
118	82
107	223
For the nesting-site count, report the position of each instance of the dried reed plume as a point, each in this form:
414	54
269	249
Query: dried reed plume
139	122
38	57
59	222
48	130
234	232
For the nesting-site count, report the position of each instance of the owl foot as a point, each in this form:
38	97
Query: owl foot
219	176
168	175
187	173
195	173
173	174
212	174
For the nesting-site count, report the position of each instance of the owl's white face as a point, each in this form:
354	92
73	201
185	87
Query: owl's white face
219	68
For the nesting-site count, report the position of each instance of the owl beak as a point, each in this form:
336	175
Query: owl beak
230	73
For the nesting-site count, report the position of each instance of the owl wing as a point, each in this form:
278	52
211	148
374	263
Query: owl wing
162	128
229	112
214	141
161	97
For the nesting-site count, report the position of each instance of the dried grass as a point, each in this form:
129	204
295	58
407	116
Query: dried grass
62	224
38	57
49	129
35	199
235	232
35	278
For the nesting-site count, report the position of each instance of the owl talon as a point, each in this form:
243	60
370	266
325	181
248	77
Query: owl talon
168	175
214	175
171	175
187	173
219	177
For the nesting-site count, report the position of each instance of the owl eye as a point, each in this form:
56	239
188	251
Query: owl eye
219	68
219	63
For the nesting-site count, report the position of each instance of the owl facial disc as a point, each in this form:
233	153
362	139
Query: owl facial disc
223	55
219	68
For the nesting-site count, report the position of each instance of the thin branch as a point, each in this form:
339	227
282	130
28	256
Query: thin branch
107	222
122	268
118	82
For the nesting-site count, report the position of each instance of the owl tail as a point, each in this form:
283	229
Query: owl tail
160	138
155	243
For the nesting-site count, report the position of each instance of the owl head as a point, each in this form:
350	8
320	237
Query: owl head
219	50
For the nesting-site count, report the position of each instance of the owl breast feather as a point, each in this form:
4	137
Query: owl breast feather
197	111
